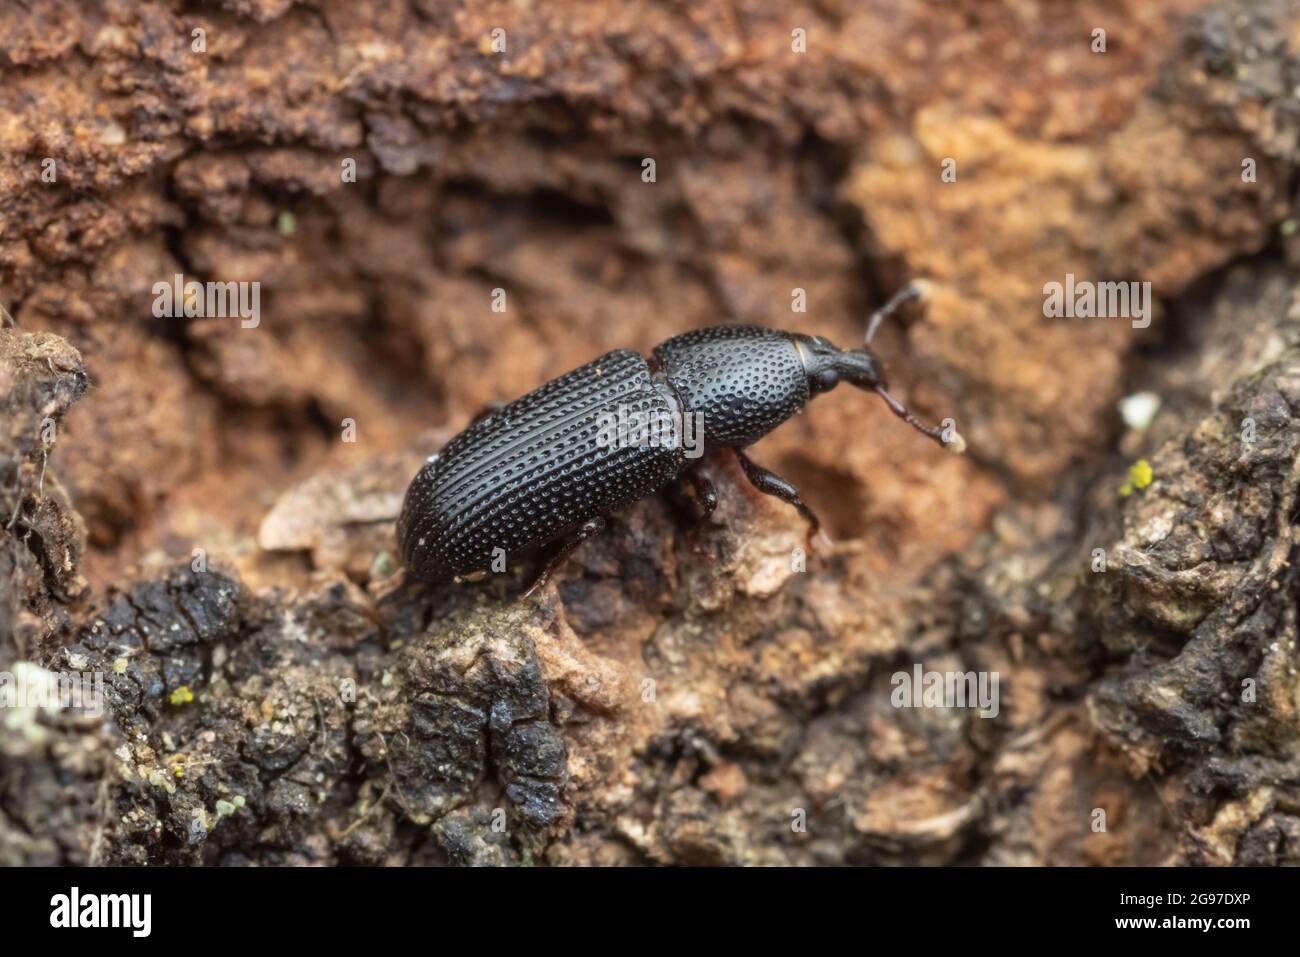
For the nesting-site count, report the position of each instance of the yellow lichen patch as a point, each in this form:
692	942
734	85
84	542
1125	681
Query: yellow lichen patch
181	695
1139	477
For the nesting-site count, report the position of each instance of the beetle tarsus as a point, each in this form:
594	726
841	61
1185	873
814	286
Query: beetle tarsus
488	410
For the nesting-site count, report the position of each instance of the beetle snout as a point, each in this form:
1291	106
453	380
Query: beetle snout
863	369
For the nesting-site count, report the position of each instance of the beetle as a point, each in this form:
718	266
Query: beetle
538	470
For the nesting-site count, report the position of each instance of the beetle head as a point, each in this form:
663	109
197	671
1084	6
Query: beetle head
826	366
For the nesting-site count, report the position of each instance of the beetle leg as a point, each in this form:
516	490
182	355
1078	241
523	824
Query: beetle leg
590	527
492	408
706	496
693	497
770	483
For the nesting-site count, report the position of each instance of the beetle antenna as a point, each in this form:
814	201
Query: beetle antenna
952	440
912	291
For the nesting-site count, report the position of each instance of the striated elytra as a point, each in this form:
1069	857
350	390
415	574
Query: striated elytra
547	467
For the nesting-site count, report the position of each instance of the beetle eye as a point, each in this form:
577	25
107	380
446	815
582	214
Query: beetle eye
827	380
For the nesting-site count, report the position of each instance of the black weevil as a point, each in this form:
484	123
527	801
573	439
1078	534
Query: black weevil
541	469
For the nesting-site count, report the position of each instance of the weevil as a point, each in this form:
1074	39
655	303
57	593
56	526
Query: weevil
536	472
